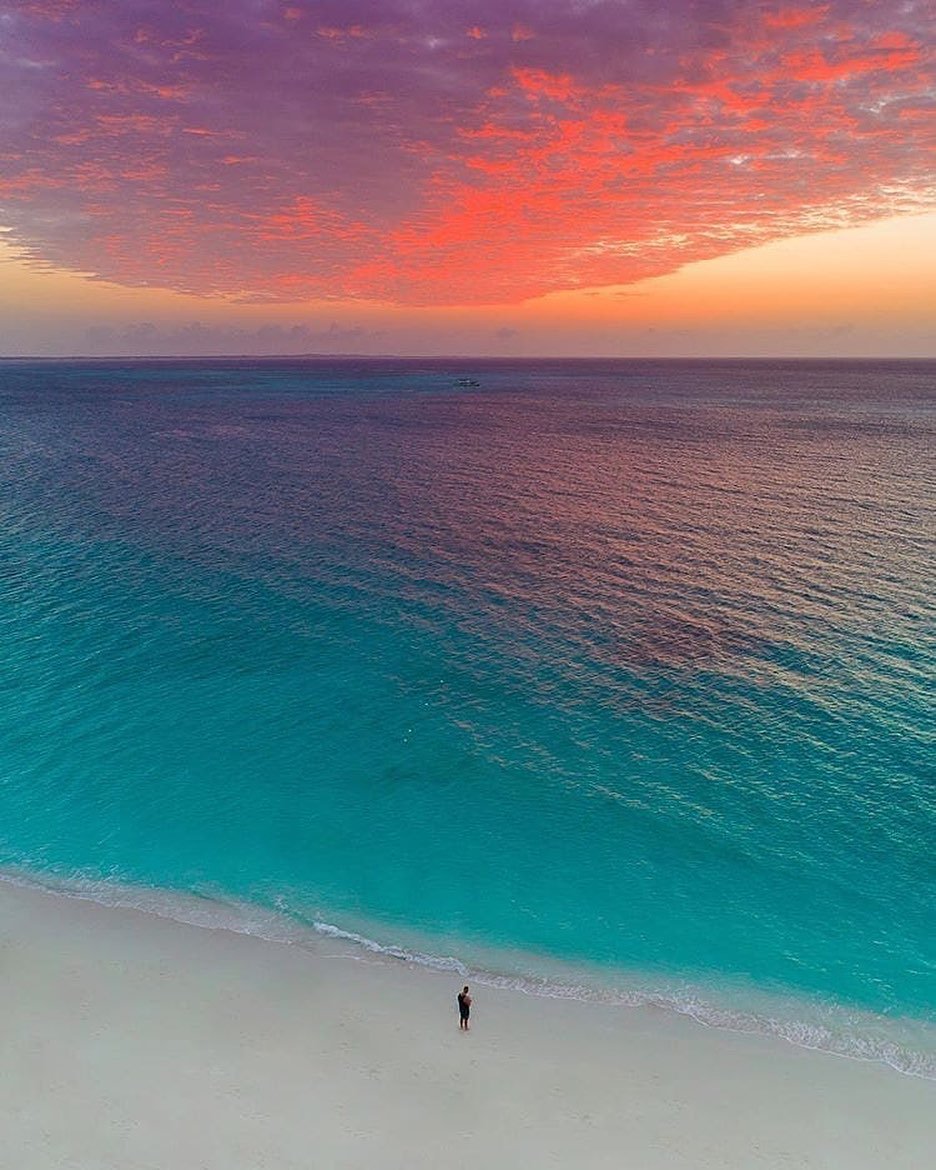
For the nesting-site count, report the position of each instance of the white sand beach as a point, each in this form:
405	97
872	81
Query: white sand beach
134	1042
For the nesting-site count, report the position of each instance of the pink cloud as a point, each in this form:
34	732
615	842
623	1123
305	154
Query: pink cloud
362	149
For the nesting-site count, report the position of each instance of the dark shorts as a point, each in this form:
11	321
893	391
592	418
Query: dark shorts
464	1011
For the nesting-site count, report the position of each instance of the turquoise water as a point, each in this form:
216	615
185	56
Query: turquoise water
619	669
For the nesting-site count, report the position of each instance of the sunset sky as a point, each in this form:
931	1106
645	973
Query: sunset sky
525	177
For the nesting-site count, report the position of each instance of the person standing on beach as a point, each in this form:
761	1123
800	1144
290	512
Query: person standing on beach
464	1008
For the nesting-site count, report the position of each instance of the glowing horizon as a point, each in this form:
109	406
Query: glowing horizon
600	176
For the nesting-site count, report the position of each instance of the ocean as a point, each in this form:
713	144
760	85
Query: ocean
611	679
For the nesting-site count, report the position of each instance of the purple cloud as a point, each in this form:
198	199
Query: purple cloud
194	337
429	152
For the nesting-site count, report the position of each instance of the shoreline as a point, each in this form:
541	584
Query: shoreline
904	1045
139	1041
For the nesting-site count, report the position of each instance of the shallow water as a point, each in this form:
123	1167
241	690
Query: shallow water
622	665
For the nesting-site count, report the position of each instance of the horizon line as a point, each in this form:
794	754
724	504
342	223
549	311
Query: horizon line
169	357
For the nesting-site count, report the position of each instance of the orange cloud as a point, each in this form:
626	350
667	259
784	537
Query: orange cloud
399	158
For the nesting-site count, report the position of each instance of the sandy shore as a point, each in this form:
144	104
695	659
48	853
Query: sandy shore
130	1041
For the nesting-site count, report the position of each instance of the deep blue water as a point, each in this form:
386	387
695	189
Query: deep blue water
627	666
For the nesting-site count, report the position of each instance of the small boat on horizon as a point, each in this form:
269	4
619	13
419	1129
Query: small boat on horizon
466	382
